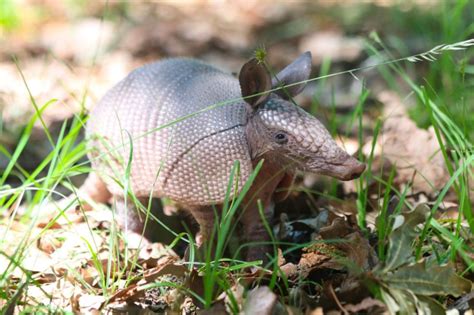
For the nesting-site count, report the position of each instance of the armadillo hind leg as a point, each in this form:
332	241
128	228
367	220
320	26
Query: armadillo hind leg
132	220
94	189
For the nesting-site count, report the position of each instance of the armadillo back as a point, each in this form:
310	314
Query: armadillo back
190	160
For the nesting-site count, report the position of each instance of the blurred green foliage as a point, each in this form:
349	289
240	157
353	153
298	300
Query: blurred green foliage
408	27
9	17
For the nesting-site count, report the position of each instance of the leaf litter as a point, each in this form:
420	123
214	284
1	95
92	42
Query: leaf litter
335	271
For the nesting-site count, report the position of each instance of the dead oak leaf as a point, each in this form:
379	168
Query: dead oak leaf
414	151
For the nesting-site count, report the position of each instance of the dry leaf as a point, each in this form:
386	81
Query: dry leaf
338	229
415	152
260	300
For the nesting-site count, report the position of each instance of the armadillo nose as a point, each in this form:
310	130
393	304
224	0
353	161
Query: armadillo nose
354	168
358	170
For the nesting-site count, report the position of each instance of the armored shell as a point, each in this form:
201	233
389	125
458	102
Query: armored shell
142	138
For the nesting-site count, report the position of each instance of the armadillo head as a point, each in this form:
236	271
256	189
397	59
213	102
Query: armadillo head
284	132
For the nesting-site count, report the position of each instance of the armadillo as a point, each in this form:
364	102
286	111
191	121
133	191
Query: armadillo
157	134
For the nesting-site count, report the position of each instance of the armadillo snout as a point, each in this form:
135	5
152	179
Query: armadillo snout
351	169
345	168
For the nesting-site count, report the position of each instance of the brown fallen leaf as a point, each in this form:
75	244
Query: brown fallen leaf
338	229
260	300
415	152
88	271
48	242
357	252
342	246
290	270
37	261
316	254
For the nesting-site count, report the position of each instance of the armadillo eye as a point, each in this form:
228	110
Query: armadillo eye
281	137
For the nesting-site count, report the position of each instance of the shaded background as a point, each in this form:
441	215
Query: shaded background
73	51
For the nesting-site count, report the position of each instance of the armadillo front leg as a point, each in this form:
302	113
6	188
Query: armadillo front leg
255	232
205	217
262	191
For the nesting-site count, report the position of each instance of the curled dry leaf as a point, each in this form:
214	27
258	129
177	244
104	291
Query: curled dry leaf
342	246
340	290
355	250
48	242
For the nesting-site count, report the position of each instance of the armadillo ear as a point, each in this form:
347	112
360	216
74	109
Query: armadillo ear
297	71
254	79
